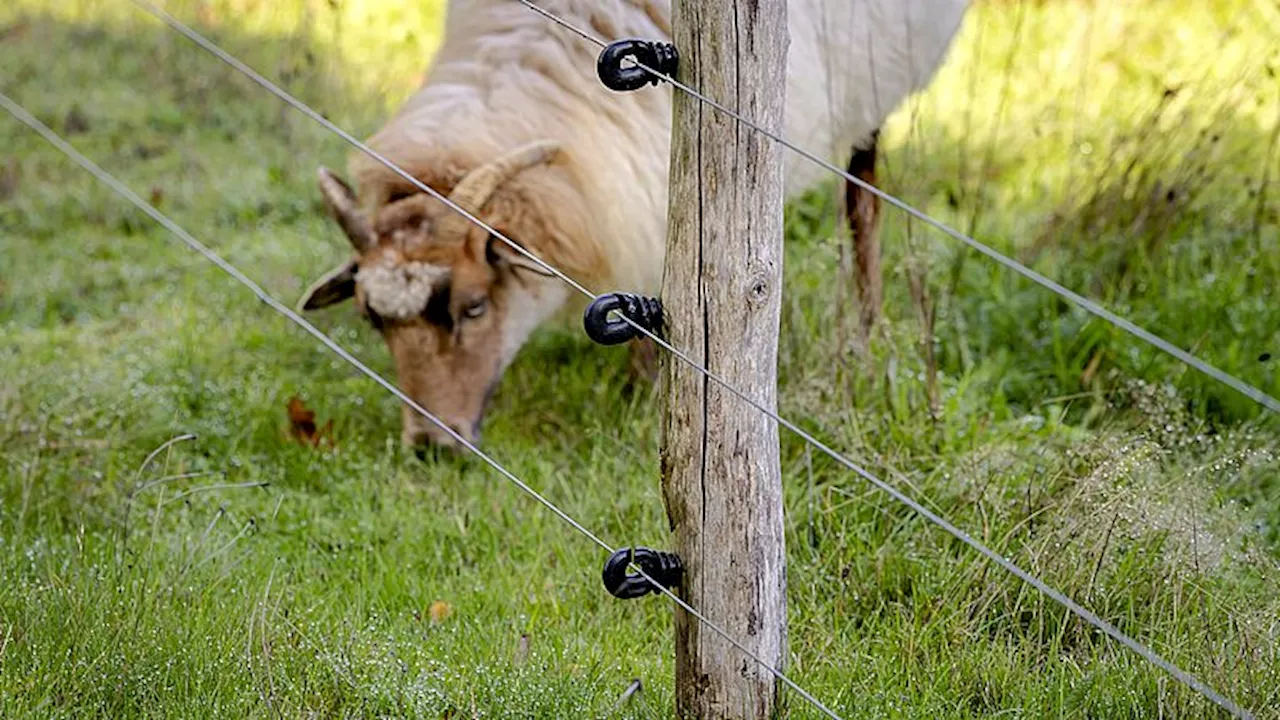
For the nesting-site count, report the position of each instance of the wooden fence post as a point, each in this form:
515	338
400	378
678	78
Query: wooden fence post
722	287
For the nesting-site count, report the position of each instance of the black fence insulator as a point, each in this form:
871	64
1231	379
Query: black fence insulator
659	56
643	311
665	568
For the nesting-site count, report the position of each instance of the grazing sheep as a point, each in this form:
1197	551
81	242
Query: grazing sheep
512	124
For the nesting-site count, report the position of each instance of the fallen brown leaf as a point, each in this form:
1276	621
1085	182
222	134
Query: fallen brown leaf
302	425
438	611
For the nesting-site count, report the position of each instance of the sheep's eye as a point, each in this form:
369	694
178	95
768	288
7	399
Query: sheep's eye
476	309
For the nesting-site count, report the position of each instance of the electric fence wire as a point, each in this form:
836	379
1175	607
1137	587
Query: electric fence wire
21	114
1090	306
1107	628
1265	400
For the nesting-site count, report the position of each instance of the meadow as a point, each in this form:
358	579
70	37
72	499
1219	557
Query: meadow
169	549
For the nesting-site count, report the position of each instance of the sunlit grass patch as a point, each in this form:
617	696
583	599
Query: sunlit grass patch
241	573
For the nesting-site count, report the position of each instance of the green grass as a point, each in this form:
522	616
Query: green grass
1148	493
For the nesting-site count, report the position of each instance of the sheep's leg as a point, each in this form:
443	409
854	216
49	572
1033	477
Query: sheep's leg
863	209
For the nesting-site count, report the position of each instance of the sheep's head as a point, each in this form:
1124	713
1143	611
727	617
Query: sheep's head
453	303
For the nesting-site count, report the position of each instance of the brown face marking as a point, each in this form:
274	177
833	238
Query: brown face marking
439	292
438	303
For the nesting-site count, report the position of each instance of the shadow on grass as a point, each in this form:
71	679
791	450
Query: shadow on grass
142	341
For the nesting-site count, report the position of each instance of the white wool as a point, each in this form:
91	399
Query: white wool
399	291
850	64
506	75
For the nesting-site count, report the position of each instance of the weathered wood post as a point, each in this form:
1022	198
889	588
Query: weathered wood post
721	292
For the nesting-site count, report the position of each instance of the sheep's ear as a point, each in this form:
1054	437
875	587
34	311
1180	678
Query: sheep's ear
333	287
501	254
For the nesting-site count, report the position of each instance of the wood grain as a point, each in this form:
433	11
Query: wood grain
722	284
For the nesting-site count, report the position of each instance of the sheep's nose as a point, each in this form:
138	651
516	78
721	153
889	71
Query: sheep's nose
427	440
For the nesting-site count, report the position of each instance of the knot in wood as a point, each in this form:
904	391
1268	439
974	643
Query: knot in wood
759	289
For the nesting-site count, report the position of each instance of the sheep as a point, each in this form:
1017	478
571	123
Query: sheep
512	124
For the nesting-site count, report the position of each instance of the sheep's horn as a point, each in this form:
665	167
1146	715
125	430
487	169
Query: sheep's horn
474	190
341	201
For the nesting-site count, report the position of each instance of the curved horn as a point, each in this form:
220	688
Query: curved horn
341	201
474	190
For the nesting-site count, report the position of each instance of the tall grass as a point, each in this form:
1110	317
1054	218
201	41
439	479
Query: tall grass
1127	149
